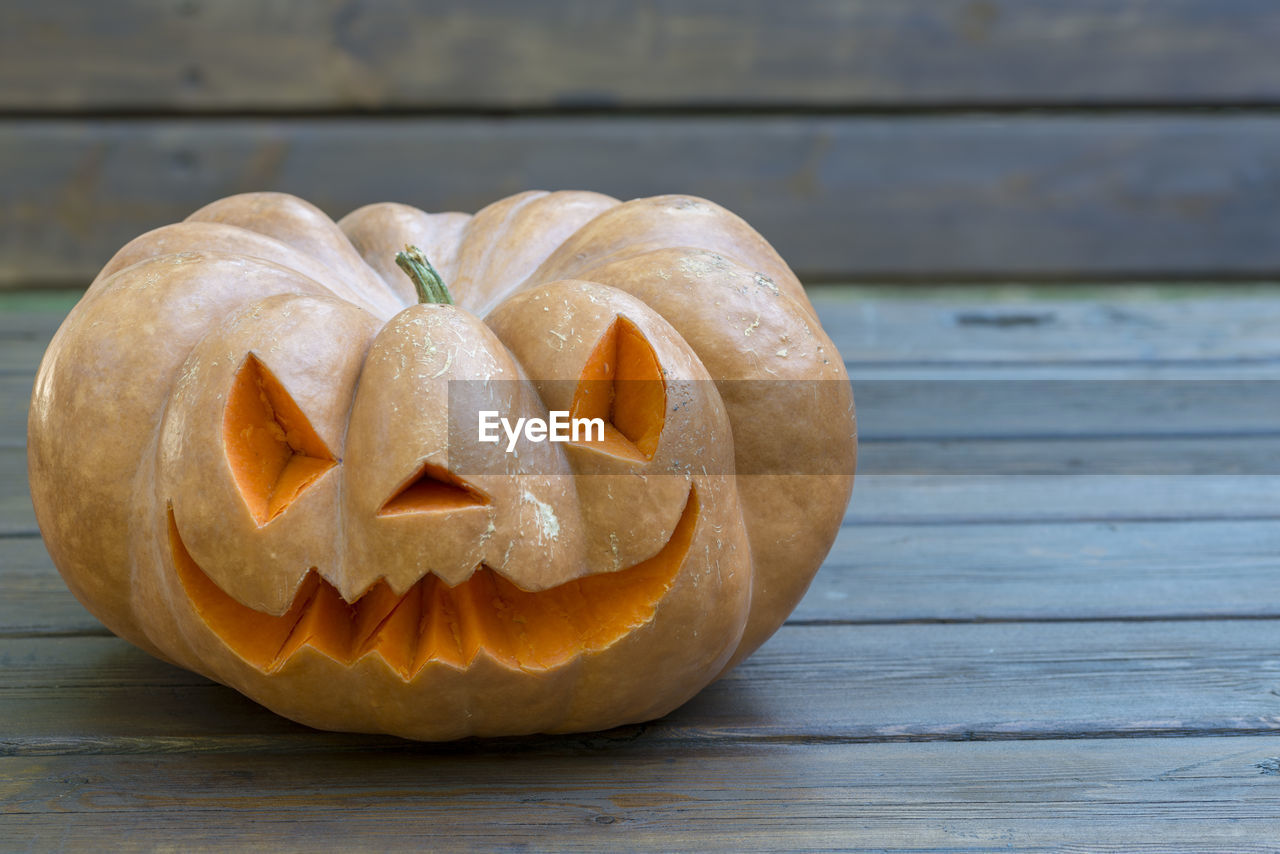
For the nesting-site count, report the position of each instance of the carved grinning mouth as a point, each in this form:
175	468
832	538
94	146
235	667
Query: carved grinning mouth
432	622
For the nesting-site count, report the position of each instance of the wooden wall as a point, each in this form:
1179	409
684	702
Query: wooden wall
873	140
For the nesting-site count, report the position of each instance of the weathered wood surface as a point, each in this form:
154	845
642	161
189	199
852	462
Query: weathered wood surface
1022	662
922	197
406	55
17	518
1204	794
884	573
1166	330
900	682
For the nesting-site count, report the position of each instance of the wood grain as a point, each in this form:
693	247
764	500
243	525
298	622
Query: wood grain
1184	327
923	198
1107	796
960	480
884	573
984	661
872	683
968	499
407	55
1015	405
948	499
1047	571
15	391
931	406
887	332
1216	455
16	514
36	602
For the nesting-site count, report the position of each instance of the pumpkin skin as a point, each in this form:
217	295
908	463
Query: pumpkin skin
240	463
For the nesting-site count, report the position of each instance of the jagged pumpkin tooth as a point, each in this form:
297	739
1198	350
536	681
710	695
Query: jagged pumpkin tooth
326	624
395	637
440	630
370	612
434	622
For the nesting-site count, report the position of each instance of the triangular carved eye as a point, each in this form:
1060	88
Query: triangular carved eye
273	450
433	489
622	384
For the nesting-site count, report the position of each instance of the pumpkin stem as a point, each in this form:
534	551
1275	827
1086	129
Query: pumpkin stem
426	281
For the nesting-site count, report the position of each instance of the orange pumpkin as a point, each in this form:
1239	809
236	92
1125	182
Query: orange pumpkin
245	457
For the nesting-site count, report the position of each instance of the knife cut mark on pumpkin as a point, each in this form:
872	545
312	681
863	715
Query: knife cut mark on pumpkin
433	488
622	384
274	452
432	622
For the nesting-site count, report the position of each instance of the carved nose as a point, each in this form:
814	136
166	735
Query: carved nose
433	489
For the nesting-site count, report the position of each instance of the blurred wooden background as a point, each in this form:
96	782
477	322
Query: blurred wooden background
870	140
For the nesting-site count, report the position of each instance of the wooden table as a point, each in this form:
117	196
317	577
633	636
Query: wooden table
1052	619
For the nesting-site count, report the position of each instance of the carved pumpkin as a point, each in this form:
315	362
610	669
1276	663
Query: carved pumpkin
242	461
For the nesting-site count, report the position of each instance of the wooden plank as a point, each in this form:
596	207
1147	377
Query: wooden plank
1228	334
894	573
1211	455
1133	795
15	397
873	683
1055	571
1021	402
964	483
16	513
1178	328
151	55
949	499
1097	403
36	602
1204	324
1016	680
960	499
957	481
28	320
922	197
959	405
950	448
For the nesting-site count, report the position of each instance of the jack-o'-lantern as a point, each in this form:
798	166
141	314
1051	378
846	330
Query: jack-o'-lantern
248	456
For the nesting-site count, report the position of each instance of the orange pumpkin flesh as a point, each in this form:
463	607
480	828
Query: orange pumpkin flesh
280	504
270	444
622	385
432	488
434	622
